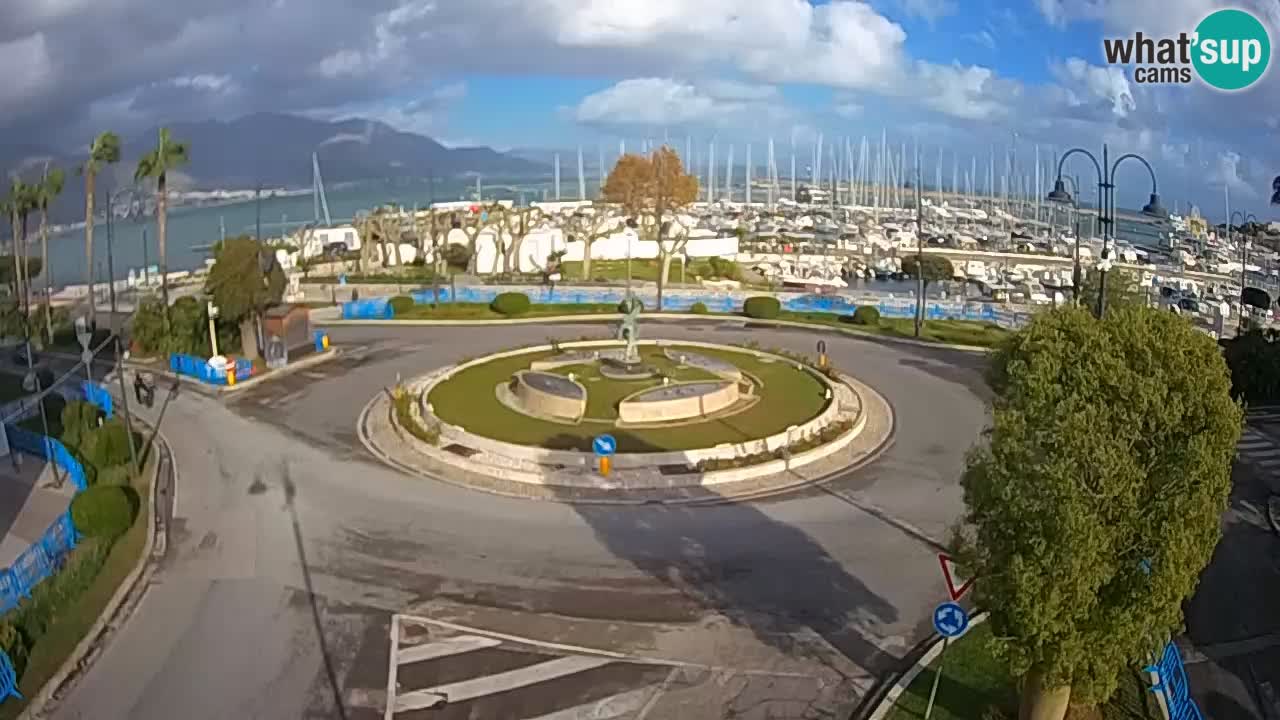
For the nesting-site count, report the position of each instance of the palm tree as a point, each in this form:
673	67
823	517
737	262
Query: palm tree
9	206
167	155
105	150
47	191
1275	187
21	202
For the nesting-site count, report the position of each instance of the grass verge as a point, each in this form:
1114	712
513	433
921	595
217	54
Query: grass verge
948	332
481	311
63	608
975	685
789	396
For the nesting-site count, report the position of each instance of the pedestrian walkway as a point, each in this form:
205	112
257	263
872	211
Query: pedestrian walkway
30	500
441	671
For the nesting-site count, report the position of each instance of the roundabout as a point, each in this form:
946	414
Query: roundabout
689	420
299	551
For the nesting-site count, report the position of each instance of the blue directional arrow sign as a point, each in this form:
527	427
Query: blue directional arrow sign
950	620
604	445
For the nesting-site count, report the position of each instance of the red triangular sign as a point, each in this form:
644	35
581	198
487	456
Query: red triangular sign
953	578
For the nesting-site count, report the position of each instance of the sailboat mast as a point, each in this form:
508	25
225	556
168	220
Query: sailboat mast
318	182
748	192
582	177
728	176
557	190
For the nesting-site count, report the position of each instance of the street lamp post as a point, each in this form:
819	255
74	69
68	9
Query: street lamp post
1077	274
1106	205
1244	258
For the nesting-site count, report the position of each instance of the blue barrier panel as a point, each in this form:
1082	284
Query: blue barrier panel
8	679
98	395
1172	684
37	562
49	449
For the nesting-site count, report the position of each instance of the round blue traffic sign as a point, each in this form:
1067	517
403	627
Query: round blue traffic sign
950	620
604	445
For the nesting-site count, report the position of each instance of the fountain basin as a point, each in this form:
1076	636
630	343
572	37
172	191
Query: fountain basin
678	401
550	395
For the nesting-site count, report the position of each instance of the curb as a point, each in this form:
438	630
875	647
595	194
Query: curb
881	700
309	361
115	613
744	495
605	317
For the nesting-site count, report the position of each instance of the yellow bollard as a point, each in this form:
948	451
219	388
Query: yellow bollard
324	341
231	374
604	466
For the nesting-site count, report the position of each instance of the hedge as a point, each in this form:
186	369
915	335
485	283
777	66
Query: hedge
762	307
699	308
866	315
401	304
104	511
510	303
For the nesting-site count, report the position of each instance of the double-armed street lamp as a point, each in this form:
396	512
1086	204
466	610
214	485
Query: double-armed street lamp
1106	205
1076	274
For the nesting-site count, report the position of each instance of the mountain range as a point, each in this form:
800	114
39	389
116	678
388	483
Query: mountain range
275	150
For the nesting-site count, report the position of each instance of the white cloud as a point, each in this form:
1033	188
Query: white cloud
1088	85
848	110
928	10
969	93
1226	171
28	68
664	102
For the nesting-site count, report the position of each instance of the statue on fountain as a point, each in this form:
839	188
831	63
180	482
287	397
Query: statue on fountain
630	307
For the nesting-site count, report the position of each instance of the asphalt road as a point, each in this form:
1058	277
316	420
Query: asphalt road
293	549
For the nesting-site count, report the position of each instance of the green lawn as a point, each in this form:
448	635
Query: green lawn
481	311
973	681
789	397
955	332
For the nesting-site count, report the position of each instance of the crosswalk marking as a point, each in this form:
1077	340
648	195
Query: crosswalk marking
444	648
606	709
501	682
1259	449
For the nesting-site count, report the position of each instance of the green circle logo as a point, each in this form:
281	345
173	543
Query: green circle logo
1232	50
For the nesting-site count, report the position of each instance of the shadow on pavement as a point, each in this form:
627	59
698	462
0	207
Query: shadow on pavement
1236	602
761	574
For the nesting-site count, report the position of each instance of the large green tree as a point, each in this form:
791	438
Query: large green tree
103	151
240	287
167	155
1095	504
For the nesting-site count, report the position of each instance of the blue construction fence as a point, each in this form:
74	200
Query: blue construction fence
99	396
45	556
36	563
723	302
1171	683
199	368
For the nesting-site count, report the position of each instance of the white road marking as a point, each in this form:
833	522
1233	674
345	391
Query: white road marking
500	682
614	706
444	648
391	668
580	650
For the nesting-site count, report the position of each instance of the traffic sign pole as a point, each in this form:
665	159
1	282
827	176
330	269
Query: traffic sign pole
604	465
937	675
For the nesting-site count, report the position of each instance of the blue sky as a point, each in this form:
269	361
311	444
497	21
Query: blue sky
962	74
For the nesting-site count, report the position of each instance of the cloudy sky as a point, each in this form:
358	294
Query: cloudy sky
965	75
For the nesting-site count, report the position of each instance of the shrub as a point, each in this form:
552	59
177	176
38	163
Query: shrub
456	256
104	511
79	418
722	268
762	307
401	304
510	303
866	315
625	306
106	446
699	308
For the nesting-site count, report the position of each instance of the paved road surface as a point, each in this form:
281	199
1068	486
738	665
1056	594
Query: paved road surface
1232	620
293	550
